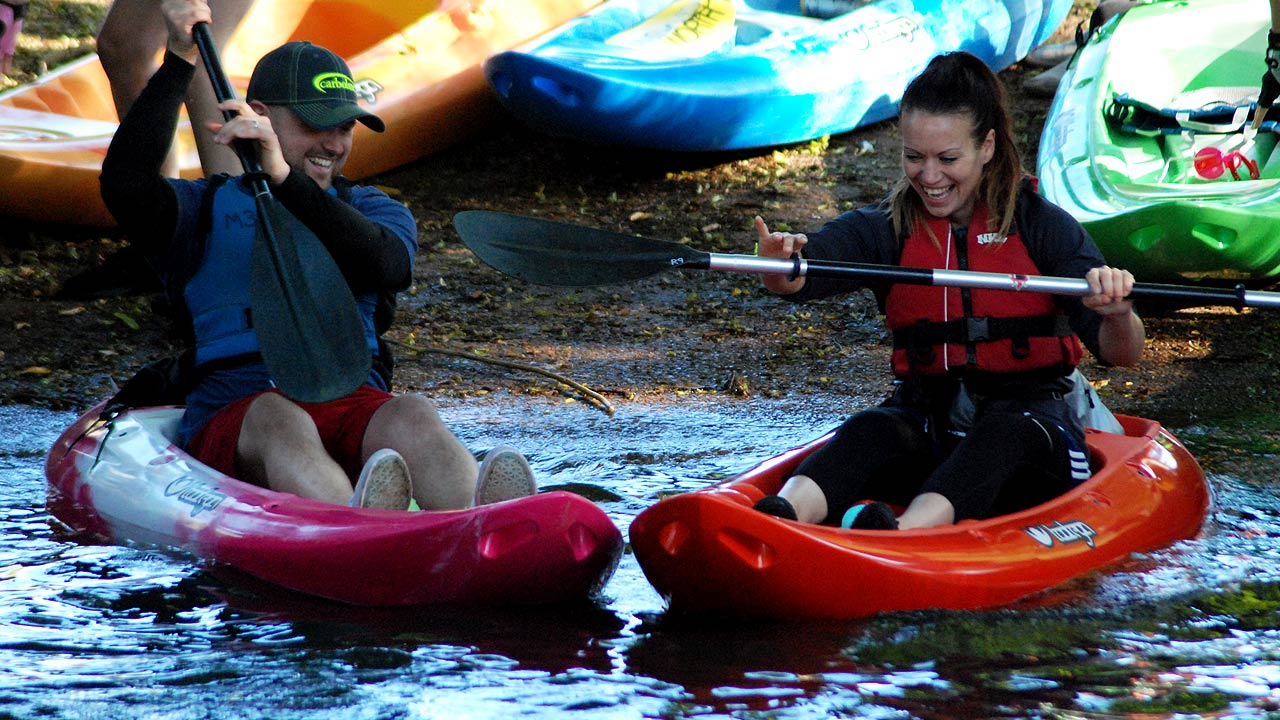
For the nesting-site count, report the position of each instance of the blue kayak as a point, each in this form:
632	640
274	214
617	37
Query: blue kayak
707	75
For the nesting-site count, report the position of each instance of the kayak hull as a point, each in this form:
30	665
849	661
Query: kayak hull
126	483
772	77
1139	196
418	68
709	551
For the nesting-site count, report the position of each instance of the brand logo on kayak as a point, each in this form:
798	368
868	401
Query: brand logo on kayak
995	239
367	90
1075	531
324	82
199	494
863	37
708	16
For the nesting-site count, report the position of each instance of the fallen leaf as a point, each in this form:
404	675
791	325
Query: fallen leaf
36	370
128	321
72	311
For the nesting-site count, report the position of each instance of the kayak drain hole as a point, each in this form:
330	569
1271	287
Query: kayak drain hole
561	93
501	84
1216	237
1146	238
754	552
673	536
497	543
582	541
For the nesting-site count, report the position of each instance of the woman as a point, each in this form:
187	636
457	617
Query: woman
977	425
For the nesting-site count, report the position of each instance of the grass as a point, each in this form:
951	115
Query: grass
54	32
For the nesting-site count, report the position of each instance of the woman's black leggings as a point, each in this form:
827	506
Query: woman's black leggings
1008	461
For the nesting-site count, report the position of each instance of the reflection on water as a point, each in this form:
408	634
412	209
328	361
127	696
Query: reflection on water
110	632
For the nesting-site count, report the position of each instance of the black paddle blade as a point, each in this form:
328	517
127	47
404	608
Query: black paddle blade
545	252
309	331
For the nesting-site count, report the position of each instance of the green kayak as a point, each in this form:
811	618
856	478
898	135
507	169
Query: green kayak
1149	143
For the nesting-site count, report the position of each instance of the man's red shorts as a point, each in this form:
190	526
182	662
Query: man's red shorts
341	424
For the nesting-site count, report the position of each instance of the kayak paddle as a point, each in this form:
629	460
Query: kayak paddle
305	317
545	252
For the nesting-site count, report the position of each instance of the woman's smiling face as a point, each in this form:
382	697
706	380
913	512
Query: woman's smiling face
943	162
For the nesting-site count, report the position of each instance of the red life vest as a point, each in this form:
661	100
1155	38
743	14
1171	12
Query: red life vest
938	330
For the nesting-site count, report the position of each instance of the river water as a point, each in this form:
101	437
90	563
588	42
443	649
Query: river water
92	631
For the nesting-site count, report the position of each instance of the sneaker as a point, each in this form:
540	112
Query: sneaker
870	516
384	483
777	506
504	475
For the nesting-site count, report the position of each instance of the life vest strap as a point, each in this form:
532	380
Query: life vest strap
926	334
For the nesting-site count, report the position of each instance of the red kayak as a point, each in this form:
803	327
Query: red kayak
125	482
709	551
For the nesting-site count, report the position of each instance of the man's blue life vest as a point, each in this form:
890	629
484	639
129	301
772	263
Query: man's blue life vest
217	294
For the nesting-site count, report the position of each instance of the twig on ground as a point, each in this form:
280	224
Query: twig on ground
594	397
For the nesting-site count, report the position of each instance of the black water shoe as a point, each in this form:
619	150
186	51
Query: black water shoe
777	506
872	516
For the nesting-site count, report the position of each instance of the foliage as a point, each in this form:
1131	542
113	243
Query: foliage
53	33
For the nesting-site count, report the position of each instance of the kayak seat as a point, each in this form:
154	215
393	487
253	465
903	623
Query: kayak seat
1200	136
1210	109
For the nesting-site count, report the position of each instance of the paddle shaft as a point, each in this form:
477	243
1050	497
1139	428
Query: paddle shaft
799	267
554	253
223	91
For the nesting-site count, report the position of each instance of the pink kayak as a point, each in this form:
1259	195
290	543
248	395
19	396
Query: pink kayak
126	482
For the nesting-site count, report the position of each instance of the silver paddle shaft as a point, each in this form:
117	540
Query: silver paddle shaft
801	267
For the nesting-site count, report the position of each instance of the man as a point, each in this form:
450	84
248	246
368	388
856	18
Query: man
203	231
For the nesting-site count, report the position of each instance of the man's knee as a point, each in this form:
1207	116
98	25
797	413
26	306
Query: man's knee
411	408
409	411
274	413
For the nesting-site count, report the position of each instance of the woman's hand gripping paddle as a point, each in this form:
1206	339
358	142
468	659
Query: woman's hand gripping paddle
308	327
545	252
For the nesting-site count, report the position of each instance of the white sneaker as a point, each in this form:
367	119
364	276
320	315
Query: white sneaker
384	482
504	475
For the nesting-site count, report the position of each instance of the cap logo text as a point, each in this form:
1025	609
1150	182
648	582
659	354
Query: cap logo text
324	82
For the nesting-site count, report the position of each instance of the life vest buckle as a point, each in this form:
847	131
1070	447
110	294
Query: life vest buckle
977	329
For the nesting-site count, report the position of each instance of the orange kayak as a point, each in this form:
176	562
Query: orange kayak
709	551
417	65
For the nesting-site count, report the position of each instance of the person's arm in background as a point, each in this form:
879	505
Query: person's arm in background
128	41
1271	78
